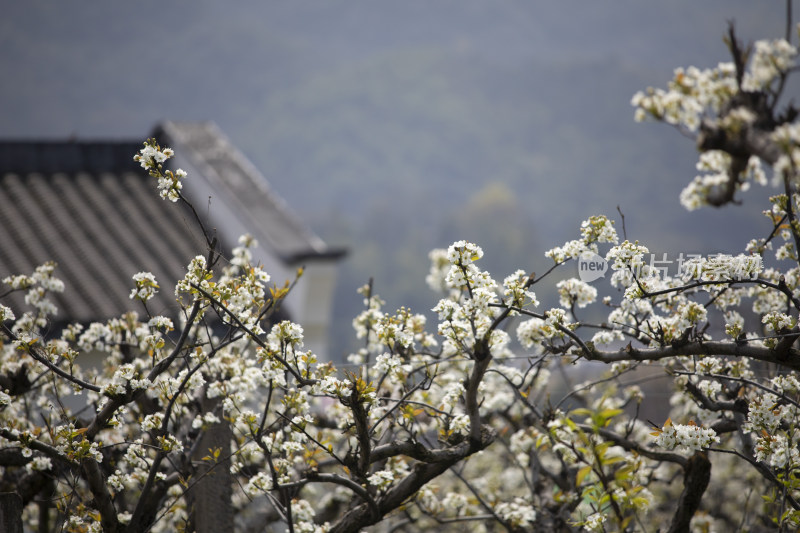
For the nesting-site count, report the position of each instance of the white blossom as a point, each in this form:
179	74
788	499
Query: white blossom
518	513
689	437
574	291
146	286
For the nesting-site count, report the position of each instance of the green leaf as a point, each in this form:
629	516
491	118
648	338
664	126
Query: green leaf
612	460
582	473
610	413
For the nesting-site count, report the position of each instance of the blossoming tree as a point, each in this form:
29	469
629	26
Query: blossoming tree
447	427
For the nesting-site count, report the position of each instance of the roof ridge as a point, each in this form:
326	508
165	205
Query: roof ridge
238	179
22	156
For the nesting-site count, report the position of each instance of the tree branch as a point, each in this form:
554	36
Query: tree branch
362	516
720	348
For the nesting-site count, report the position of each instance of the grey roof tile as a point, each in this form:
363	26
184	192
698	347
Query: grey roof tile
92	209
100	229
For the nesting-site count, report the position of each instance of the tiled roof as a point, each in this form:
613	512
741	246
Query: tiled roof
238	184
92	209
97	216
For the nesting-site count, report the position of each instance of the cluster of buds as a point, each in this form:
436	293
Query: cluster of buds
152	158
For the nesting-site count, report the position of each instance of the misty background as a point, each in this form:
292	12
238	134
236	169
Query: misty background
393	127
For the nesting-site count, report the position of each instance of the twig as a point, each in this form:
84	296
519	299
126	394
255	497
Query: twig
622	216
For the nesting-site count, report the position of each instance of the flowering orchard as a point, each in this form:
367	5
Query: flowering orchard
220	420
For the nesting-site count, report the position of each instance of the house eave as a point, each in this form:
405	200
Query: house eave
331	254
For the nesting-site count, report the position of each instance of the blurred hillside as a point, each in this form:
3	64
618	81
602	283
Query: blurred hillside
395	127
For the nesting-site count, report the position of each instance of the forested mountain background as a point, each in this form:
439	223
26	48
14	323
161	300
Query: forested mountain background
394	127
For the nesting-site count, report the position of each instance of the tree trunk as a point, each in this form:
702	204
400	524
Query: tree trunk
210	497
10	512
696	476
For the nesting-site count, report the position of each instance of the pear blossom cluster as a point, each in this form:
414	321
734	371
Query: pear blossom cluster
6	313
197	275
690	92
686	437
170	184
627	261
765	414
468	313
146	286
694	92
439	267
575	292
696	97
771	59
787	138
598	229
594	522
723	267
570	250
516	290
518	513
715	165
37	287
778	452
152	157
778	322
688	315
594	230
536	331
